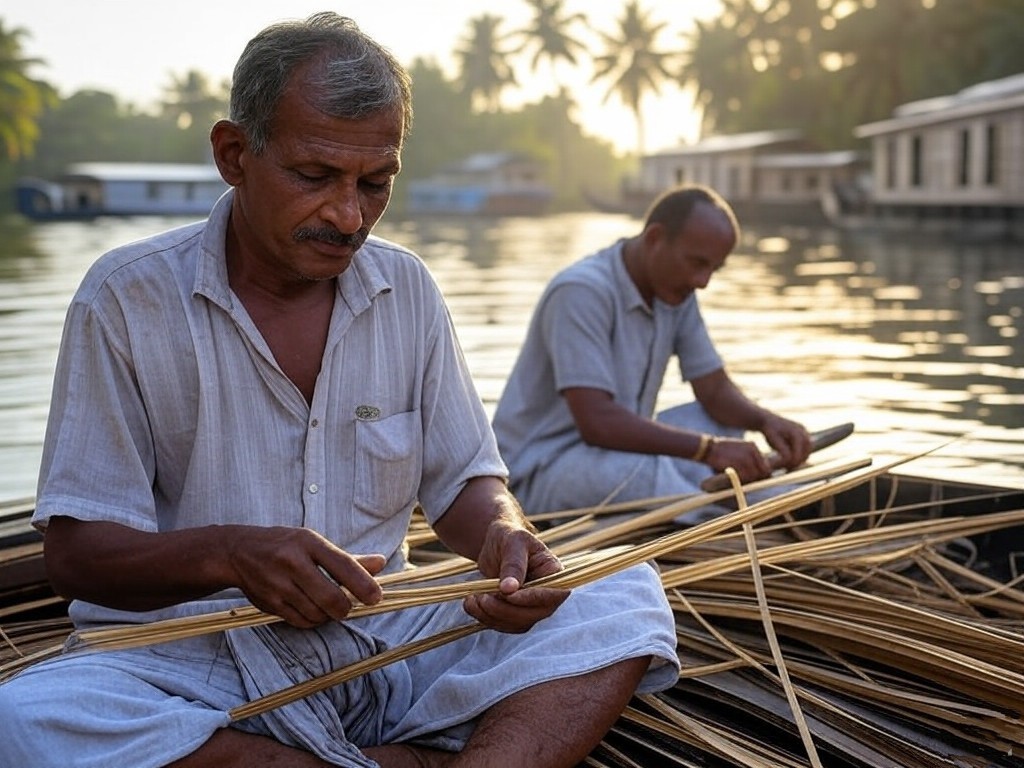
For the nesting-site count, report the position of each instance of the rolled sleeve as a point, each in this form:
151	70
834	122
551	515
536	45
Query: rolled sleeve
458	441
98	462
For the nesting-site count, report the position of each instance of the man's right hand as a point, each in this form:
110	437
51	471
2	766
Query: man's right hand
742	455
293	573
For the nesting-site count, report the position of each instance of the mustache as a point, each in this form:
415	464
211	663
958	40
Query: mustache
330	236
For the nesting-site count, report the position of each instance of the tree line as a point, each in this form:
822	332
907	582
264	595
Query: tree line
822	66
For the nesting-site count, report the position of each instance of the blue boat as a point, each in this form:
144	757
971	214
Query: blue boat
489	184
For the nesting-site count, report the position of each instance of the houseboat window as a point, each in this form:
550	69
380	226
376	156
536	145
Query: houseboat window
965	157
152	190
680	176
992	154
890	164
734	181
786	182
813	181
916	166
190	191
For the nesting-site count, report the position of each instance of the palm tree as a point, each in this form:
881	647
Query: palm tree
999	50
194	104
192	100
549	33
893	52
717	66
22	99
484	71
631	62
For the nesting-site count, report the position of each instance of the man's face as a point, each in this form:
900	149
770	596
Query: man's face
685	263
309	200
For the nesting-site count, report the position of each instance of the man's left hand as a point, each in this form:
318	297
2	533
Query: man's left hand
514	555
790	440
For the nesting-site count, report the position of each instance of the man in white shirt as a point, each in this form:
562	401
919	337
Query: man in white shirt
248	409
576	422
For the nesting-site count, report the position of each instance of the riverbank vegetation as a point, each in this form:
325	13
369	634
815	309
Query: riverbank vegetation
823	66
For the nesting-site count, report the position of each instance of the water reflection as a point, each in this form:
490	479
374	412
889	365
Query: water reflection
917	342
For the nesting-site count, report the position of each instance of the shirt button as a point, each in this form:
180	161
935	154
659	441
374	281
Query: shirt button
315	423
313	487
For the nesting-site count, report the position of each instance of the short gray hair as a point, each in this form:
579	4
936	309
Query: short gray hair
357	76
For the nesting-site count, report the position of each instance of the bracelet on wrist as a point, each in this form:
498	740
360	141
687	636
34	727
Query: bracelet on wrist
706	441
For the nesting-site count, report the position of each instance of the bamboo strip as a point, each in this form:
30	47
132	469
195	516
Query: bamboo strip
362	667
919	636
875	608
991	724
996	684
319	683
603	564
747	752
769	628
818	551
710	528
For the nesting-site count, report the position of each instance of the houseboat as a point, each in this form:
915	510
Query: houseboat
490	183
772	175
88	190
954	161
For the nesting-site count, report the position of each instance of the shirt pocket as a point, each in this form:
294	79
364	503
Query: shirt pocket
388	465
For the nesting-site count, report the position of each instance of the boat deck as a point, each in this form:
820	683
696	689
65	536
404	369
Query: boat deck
892	603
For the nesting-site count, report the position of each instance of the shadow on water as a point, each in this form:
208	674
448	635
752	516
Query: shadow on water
917	341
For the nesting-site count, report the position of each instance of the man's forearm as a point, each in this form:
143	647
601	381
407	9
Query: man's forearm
121	567
481	502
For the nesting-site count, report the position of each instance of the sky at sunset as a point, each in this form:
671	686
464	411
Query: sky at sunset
132	48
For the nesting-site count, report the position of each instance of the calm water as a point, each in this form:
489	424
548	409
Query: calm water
918	342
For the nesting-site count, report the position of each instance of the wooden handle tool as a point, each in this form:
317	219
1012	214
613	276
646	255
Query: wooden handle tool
823	438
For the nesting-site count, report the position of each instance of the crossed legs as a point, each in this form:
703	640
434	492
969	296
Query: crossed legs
550	725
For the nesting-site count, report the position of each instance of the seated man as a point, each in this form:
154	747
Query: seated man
576	422
249	409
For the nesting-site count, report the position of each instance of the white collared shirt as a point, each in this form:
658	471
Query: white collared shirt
170	412
591	328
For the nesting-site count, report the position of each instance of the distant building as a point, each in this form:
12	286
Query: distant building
952	158
491	183
87	190
763	173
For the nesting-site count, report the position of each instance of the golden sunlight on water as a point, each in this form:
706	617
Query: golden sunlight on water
917	342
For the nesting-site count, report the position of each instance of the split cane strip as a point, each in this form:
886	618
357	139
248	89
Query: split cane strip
6	639
338	676
314	685
769	628
598	565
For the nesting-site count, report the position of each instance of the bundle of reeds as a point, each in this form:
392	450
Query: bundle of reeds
808	637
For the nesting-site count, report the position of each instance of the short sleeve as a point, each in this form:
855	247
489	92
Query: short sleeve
577	325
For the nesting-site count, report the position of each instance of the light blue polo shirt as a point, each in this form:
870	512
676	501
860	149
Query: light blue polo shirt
592	328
